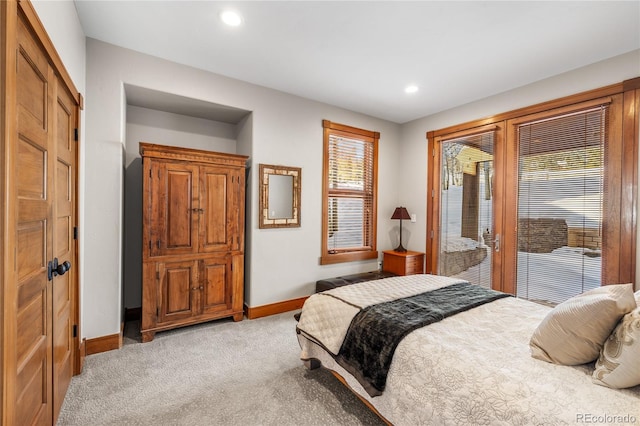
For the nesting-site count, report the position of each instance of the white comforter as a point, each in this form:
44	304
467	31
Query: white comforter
472	368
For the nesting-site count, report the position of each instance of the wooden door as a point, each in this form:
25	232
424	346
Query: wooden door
216	294
179	288
219	209
174	210
63	245
44	176
35	159
40	110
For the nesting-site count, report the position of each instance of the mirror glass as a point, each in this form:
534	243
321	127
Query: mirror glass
279	196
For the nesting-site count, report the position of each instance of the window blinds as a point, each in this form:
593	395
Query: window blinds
350	201
560	193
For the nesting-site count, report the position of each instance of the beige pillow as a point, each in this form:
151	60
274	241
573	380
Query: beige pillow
619	363
574	331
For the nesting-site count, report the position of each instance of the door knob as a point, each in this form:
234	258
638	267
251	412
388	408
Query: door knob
63	267
54	269
496	243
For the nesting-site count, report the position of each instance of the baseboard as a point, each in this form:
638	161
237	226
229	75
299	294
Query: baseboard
274	308
103	344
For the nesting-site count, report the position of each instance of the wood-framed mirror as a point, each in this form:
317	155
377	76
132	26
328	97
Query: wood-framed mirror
280	188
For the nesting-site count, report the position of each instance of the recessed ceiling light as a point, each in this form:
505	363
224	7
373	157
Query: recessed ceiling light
231	18
411	89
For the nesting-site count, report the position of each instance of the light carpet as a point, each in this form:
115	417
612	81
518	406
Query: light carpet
217	373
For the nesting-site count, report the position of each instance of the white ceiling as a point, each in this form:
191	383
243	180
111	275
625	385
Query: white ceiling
360	55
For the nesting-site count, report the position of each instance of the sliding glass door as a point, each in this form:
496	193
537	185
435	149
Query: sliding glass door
531	205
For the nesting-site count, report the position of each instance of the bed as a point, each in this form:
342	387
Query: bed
473	367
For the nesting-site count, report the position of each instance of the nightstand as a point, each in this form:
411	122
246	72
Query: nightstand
403	263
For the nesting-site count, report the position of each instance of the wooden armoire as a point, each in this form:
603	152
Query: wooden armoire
39	300
193	237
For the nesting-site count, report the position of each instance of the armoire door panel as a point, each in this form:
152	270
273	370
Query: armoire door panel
178	282
215	199
178	290
179	209
216	292
173	229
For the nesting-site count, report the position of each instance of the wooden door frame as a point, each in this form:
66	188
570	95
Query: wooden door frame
624	235
8	110
79	351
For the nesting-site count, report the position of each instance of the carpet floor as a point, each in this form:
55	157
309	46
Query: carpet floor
217	373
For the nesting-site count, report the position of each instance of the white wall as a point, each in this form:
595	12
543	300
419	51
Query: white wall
60	19
284	129
414	143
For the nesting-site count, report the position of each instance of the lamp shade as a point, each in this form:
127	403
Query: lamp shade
400	213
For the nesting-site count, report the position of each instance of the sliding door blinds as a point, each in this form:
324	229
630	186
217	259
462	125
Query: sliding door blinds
560	205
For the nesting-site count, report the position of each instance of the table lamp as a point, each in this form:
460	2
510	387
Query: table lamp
400	213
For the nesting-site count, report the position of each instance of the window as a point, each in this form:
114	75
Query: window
349	193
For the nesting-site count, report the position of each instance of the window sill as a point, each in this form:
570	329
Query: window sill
328	259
